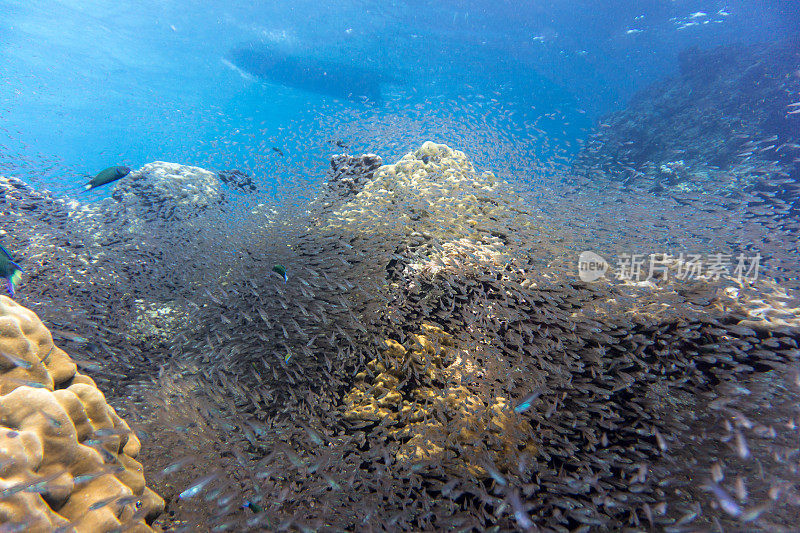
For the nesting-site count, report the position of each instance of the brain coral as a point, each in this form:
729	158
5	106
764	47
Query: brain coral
65	455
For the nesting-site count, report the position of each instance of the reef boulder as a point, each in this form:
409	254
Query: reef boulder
66	457
727	108
347	177
169	191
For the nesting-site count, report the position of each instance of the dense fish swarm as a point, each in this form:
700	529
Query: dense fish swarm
431	362
238	180
66	456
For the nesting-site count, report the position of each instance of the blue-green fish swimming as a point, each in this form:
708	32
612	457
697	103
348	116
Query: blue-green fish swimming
107	176
525	404
9	270
281	271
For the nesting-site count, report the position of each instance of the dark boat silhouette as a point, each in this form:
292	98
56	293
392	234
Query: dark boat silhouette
331	78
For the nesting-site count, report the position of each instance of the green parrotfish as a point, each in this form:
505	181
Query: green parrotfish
107	176
9	270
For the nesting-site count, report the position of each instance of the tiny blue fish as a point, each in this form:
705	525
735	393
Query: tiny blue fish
253	507
527	402
16	361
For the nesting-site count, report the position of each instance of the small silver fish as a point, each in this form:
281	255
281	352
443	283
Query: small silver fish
727	503
197	487
102	503
520	514
741	446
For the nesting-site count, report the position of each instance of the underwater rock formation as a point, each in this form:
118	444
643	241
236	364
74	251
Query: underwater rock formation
61	247
723	126
67	457
92	270
346	178
712	152
727	107
169	191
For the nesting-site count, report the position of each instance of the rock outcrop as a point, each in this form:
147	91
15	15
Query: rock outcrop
66	457
169	191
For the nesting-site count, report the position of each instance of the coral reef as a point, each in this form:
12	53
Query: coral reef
433	363
346	178
448	426
67	457
168	191
434	184
473	316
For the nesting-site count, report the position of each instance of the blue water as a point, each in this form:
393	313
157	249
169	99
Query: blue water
516	85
